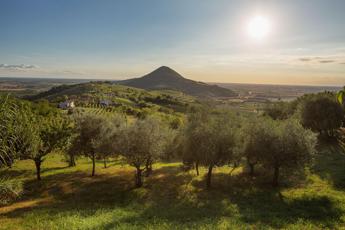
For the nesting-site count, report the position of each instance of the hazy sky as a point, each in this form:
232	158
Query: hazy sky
202	39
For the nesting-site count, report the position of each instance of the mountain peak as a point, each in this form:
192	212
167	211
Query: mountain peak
163	67
166	78
164	72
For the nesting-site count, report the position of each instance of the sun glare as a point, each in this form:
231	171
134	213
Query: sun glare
258	28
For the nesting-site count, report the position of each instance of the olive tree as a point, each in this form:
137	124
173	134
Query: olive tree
91	129
221	145
172	143
8	125
97	137
40	135
111	133
141	144
211	142
190	138
255	137
9	110
287	145
72	150
322	114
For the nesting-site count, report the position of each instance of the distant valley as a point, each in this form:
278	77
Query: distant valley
275	92
164	78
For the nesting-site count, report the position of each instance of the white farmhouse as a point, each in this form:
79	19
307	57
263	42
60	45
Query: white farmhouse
105	102
66	105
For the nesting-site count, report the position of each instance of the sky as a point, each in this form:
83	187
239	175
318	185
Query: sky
201	39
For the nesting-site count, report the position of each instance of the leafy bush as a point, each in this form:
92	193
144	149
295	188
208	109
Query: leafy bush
280	110
322	113
8	127
9	190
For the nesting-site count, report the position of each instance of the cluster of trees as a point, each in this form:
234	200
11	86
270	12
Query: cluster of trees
210	138
140	142
277	145
219	139
321	112
284	139
31	131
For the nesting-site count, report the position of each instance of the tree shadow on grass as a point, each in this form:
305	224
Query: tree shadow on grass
73	192
258	202
268	208
114	162
43	170
172	196
77	191
14	173
250	200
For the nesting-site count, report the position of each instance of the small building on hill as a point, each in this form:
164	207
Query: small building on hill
66	105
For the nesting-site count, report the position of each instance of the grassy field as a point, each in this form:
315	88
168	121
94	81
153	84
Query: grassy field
68	198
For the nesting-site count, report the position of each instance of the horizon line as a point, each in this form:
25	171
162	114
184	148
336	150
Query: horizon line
214	83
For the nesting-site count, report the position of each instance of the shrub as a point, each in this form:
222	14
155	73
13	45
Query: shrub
322	114
9	190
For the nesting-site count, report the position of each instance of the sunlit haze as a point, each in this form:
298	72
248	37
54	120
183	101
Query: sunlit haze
259	27
249	41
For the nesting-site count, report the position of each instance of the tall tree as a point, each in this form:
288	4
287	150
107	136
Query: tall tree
321	113
8	126
288	146
43	133
190	141
10	110
222	144
172	143
255	138
40	134
110	138
211	141
141	143
72	150
91	129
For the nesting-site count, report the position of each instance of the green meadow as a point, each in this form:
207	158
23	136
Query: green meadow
171	198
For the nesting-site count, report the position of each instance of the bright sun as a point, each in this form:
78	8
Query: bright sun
259	27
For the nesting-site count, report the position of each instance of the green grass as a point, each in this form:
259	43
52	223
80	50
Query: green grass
68	198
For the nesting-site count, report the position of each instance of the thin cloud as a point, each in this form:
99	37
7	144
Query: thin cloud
17	67
323	60
305	59
326	61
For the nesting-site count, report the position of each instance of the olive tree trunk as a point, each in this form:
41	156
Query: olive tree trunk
251	169
138	177
148	168
105	162
93	157
71	162
197	168
209	177
275	181
38	163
